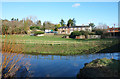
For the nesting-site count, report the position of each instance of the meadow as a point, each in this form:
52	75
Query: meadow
60	46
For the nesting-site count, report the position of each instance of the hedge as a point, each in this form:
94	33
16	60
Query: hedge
38	32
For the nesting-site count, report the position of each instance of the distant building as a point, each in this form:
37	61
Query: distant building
48	31
68	30
113	29
113	32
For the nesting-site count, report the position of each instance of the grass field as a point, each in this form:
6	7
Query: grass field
58	45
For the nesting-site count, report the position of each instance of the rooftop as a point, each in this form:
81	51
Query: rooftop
74	26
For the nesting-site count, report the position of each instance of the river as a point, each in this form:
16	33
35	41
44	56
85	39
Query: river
61	66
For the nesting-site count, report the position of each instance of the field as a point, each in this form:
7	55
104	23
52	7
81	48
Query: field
58	45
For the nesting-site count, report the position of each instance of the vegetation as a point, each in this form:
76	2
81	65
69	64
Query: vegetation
11	63
61	46
78	33
71	22
62	22
34	27
16	27
48	25
38	32
100	68
56	27
92	25
98	31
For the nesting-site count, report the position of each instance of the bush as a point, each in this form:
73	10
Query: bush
34	27
98	31
91	33
38	32
74	34
78	33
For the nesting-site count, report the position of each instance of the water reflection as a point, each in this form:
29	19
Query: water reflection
74	57
61	66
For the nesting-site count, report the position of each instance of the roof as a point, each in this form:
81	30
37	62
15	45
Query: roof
74	26
114	29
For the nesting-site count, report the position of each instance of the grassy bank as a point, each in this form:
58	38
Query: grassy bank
58	45
101	68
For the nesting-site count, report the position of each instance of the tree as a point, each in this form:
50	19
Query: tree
58	25
4	29
70	22
0	27
12	19
39	23
99	31
101	26
56	28
62	22
48	25
92	25
44	25
27	23
17	19
74	22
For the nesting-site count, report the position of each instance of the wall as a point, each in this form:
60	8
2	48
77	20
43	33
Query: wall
94	36
40	35
49	34
80	37
88	37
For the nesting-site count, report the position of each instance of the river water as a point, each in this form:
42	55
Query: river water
61	66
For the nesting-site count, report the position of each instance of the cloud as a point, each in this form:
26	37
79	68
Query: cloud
76	5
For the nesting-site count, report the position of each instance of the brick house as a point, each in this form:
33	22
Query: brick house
68	30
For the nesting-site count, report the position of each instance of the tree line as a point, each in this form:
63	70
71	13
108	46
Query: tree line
16	26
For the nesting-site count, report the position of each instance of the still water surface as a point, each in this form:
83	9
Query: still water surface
61	66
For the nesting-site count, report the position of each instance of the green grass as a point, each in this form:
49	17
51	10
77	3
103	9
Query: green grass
58	45
57	39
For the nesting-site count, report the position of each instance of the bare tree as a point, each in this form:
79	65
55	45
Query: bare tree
101	26
48	25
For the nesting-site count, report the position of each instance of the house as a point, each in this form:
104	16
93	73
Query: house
68	30
113	29
48	31
113	32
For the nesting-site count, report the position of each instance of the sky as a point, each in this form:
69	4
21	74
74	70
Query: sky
60	0
83	12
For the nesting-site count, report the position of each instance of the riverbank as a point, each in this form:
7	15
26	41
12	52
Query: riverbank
56	45
100	68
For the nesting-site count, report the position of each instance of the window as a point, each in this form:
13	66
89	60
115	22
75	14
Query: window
75	28
71	29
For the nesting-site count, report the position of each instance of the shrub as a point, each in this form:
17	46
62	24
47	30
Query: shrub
34	27
38	32
91	33
74	34
98	31
78	33
84	32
